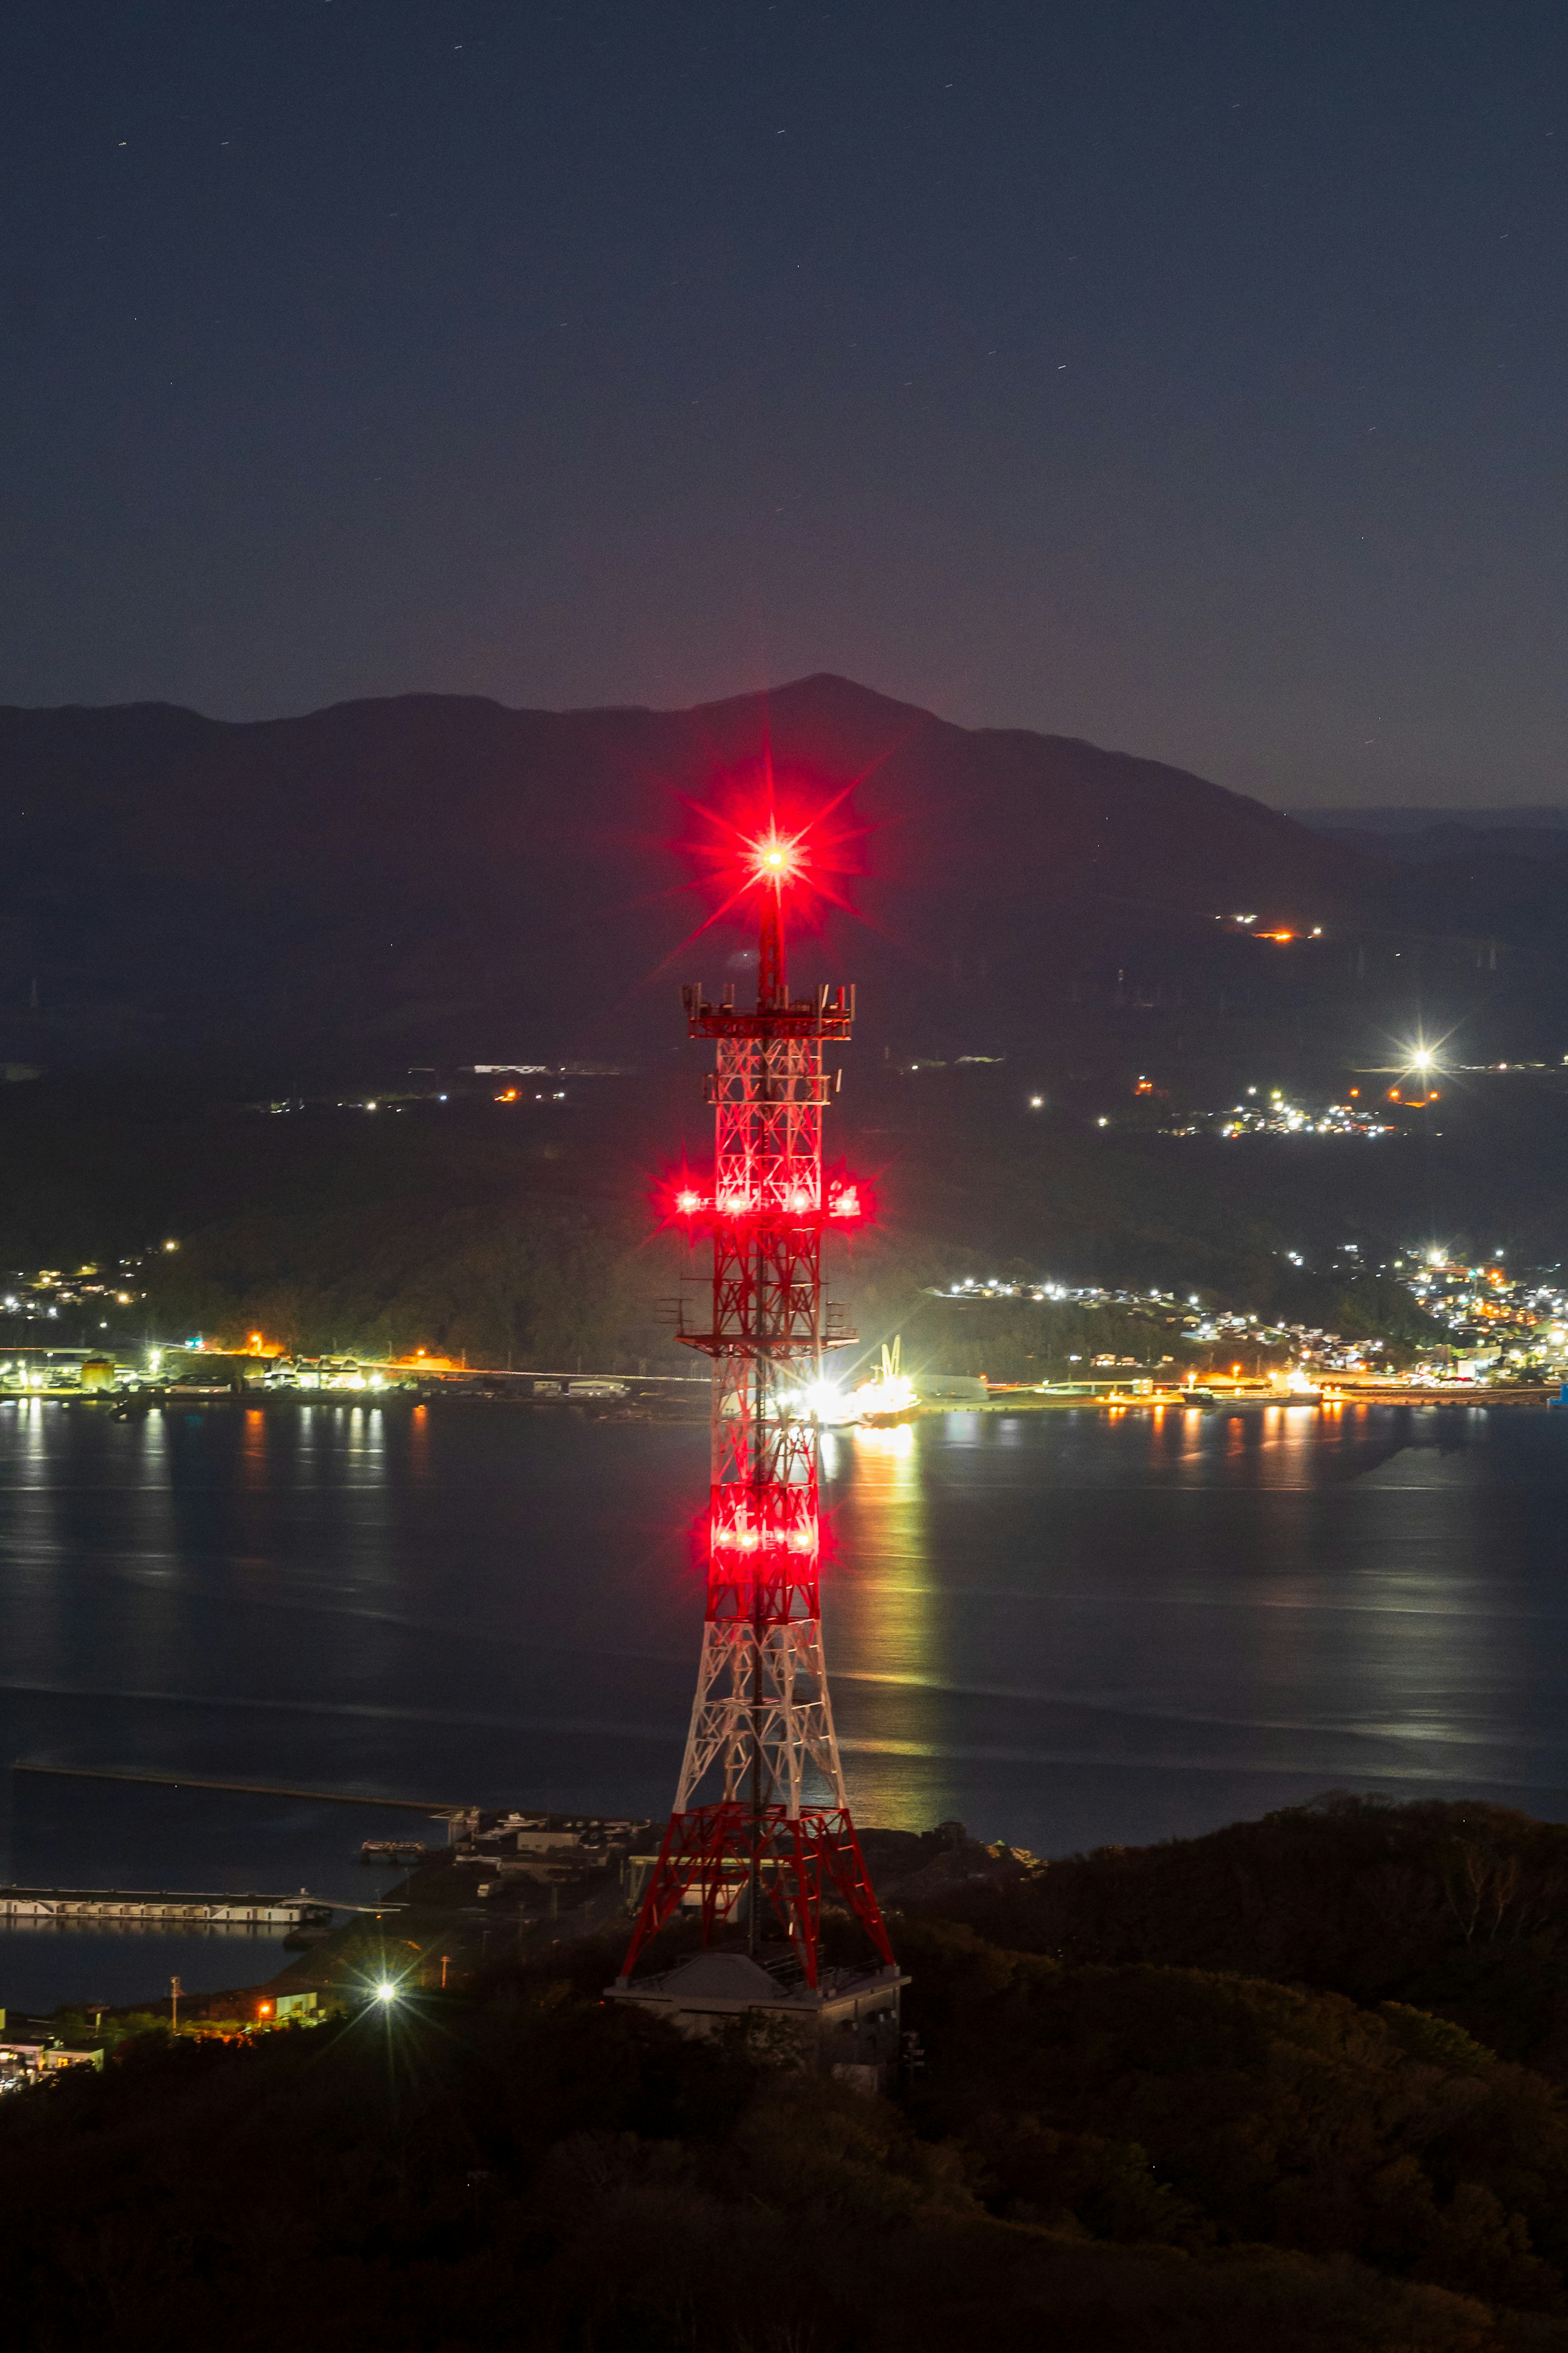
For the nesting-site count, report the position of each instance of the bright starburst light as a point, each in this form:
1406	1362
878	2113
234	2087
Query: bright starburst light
776	857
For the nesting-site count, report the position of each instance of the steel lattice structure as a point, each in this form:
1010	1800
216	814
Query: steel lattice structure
761	1825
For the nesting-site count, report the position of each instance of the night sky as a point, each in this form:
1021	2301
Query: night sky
1187	377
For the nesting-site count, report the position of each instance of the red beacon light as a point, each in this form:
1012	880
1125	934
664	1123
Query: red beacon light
844	1205
776	857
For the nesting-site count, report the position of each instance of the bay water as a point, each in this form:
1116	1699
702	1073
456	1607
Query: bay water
1065	1629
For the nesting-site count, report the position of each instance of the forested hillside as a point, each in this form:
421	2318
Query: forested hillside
1188	2098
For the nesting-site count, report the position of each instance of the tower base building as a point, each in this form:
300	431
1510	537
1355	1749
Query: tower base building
847	2025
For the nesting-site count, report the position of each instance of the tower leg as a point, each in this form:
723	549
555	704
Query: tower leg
714	1851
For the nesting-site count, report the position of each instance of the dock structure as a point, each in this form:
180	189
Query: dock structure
43	1907
437	1808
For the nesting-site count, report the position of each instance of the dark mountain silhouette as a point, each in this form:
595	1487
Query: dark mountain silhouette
437	878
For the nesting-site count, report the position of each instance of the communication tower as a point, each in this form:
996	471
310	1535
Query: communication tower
761	1829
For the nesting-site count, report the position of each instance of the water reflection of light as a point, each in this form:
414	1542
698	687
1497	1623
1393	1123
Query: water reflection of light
37	1600
1297	1439
1165	1436
898	1440
366	1437
882	1597
253	1448
1193	1436
154	1499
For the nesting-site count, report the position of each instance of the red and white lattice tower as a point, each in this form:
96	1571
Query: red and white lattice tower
761	1829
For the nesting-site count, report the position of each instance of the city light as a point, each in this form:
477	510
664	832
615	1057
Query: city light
385	1992
1279	1117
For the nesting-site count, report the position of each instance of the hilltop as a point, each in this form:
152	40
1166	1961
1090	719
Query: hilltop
1148	2113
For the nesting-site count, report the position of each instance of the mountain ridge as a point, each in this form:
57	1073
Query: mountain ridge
441	869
